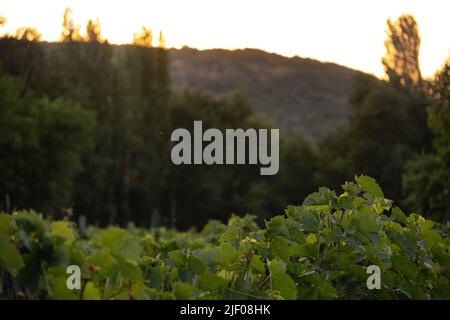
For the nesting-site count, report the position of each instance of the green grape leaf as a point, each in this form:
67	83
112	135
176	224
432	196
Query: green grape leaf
129	271
183	291
370	186
281	281
399	215
90	292
209	281
63	230
6	224
10	258
256	264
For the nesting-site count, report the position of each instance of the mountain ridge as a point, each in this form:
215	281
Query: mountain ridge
297	93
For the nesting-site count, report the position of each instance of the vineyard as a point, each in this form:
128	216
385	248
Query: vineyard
319	250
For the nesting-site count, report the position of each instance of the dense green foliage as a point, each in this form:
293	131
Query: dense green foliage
125	91
41	143
387	127
426	180
319	250
398	131
126	175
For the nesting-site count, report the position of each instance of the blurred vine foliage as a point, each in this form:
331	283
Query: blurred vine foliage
318	250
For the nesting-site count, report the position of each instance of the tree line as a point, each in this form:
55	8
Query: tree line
85	129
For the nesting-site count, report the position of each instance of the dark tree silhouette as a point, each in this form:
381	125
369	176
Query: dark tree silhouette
70	32
427	177
93	31
161	41
439	112
144	38
28	34
401	62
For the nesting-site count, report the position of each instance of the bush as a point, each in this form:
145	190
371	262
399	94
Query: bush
319	250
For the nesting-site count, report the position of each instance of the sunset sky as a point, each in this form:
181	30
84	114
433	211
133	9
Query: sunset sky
348	32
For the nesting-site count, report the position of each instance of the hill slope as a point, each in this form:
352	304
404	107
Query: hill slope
297	93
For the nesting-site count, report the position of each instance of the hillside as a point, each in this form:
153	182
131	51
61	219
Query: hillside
297	93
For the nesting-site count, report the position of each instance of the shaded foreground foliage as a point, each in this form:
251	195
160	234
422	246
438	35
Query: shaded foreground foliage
319	250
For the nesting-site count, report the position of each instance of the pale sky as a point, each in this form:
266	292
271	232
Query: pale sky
347	32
